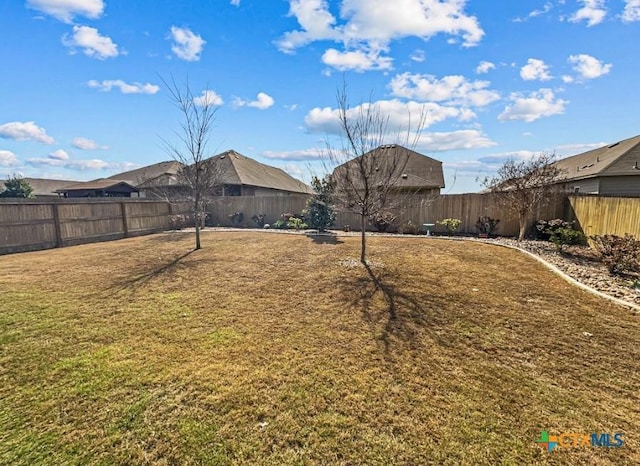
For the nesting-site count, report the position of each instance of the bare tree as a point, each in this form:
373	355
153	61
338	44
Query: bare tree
367	172
199	177
524	185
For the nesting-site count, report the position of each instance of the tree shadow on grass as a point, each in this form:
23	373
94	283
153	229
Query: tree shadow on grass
324	238
403	317
138	279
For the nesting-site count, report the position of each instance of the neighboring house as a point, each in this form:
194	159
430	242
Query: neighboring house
243	176
158	174
99	188
239	176
612	169
411	172
47	189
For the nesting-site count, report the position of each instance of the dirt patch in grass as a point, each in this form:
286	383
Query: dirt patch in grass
267	349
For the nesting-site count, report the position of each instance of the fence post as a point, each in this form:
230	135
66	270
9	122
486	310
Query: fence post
56	224
125	221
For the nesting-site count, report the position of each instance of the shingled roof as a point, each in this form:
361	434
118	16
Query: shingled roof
419	171
147	175
238	169
620	158
96	185
45	187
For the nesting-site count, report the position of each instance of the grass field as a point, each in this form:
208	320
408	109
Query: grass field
275	349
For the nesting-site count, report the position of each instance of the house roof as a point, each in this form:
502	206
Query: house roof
45	187
238	169
146	175
96	185
419	171
601	161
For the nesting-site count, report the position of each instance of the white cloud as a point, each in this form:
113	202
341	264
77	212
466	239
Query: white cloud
357	60
593	12
455	140
25	131
453	89
484	67
295	170
235	2
125	88
80	165
401	115
418	56
535	70
91	42
186	44
59	155
295	155
631	11
8	158
210	98
66	10
589	67
567	79
371	25
87	144
262	102
545	9
542	103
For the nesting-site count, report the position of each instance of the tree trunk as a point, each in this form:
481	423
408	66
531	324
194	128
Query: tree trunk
363	241
523	226
198	233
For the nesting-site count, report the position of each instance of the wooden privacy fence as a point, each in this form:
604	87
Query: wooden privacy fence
466	207
32	225
27	225
417	209
272	207
597	215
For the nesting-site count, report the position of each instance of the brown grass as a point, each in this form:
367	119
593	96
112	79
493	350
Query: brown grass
272	349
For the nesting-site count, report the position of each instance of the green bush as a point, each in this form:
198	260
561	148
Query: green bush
408	228
382	220
451	224
621	254
564	236
486	225
280	224
236	218
259	220
319	212
296	223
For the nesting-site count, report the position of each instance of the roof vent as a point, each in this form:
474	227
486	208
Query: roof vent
636	167
613	145
222	156
405	176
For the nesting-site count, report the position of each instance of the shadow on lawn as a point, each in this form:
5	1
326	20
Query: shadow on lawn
153	272
402	317
324	238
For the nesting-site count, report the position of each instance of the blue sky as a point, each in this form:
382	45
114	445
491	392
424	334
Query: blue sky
82	96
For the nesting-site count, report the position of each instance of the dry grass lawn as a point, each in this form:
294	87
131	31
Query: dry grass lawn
271	349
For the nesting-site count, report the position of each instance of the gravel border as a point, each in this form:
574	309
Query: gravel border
587	274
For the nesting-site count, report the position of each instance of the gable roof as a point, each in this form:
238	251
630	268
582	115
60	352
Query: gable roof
238	169
419	172
146	175
46	187
600	161
96	185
